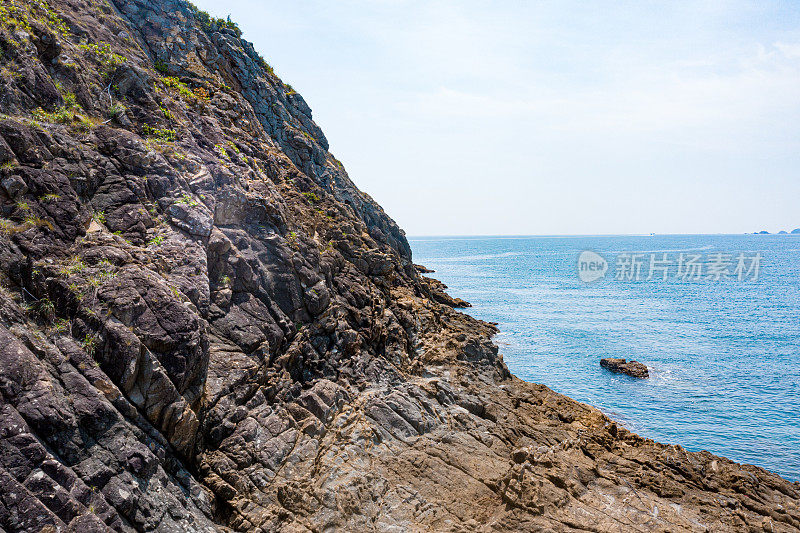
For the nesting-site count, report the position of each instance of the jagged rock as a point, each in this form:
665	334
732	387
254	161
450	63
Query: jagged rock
436	290
206	326
14	186
621	366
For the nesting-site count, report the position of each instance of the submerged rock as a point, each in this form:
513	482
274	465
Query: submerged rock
621	366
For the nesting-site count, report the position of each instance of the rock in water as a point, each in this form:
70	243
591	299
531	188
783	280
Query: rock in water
205	326
632	368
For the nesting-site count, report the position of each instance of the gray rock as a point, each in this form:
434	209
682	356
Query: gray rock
14	186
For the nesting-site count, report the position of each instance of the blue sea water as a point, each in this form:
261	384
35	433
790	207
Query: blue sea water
724	354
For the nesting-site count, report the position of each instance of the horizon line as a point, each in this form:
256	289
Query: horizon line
517	236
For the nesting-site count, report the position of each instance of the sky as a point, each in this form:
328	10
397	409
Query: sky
551	117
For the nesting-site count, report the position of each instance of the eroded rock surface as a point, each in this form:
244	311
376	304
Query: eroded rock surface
205	326
635	369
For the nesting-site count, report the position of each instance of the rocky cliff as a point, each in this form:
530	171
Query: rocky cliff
205	326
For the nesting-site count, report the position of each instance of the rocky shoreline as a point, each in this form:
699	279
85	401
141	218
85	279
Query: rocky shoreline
206	326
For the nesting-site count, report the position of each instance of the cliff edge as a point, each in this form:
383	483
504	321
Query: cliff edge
205	325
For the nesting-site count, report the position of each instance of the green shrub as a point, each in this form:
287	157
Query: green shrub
15	16
62	325
8	227
292	239
82	123
102	53
187	200
177	86
18	15
89	344
70	101
311	197
221	151
162	134
116	110
37	222
74	266
63	115
101	277
167	113
211	24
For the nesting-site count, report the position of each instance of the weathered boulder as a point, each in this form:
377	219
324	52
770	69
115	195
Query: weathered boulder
621	366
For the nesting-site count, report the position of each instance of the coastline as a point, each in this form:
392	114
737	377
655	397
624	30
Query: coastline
557	329
657	475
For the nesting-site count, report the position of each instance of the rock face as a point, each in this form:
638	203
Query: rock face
621	366
205	326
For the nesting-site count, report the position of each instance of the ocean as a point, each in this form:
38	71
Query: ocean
716	318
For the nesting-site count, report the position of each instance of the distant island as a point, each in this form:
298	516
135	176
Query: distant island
795	231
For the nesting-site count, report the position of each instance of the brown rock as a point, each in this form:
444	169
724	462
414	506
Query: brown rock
621	366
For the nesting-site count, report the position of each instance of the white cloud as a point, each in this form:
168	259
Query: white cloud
790	50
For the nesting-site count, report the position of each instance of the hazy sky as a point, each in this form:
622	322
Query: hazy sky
478	117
